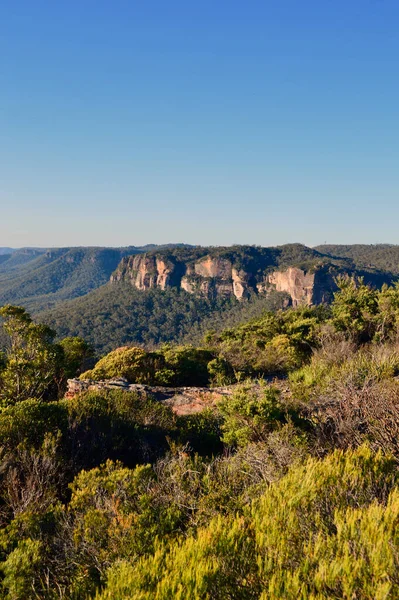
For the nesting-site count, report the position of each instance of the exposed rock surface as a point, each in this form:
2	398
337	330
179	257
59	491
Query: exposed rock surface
298	284
215	277
182	400
239	272
146	271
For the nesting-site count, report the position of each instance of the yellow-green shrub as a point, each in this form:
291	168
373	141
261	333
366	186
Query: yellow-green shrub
134	364
305	538
170	366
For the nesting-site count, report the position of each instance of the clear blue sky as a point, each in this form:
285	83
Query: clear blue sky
211	122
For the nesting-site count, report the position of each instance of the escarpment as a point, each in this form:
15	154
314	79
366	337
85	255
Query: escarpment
148	271
304	275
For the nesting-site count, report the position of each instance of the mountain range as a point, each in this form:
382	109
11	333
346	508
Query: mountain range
152	294
39	278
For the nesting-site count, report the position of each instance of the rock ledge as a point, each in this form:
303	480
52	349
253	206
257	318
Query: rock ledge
182	400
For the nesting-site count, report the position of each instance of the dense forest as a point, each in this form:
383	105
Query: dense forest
287	488
40	278
118	314
378	256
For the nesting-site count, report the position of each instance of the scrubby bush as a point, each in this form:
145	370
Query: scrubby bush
185	365
306	537
269	493
32	365
168	366
134	364
362	367
355	309
275	344
31	359
250	415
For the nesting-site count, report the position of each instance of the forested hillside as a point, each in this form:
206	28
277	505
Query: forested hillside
379	256
286	488
38	278
115	315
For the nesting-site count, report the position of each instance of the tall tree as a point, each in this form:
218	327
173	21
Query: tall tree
30	360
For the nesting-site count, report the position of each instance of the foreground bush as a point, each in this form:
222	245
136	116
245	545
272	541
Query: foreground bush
326	530
181	365
114	513
99	425
31	363
277	343
112	495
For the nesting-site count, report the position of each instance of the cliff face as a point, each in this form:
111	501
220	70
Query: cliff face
218	276
295	282
148	271
306	276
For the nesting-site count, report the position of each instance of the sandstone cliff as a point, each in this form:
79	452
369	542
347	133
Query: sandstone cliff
305	275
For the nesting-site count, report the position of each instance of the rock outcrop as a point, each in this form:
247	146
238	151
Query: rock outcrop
237	272
215	277
298	284
182	400
146	271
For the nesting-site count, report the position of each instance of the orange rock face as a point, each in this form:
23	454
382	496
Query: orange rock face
298	284
215	276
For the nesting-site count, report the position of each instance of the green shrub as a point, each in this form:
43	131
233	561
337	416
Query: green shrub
29	421
21	571
372	363
170	366
202	431
312	535
250	415
117	425
188	365
31	360
134	364
277	343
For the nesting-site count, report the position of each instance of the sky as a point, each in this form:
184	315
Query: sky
127	122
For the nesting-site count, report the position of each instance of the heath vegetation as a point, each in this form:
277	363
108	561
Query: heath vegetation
287	488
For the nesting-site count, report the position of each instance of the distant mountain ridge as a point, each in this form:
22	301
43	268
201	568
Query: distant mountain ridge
384	257
39	278
149	299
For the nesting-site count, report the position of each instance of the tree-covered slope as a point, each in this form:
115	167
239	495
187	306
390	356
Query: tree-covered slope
378	256
118	314
3	258
38	279
21	257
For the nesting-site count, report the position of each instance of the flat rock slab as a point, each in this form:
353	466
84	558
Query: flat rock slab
182	400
